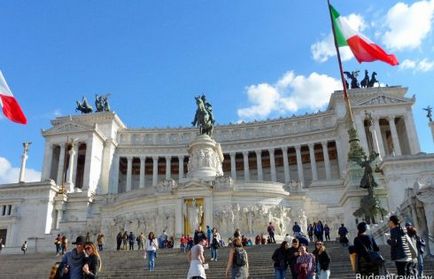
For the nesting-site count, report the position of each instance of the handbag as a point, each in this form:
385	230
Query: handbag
375	257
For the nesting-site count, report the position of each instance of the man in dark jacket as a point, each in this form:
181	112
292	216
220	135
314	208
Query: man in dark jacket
73	261
400	251
292	256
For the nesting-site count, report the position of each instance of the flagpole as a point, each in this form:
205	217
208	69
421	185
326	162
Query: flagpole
346	98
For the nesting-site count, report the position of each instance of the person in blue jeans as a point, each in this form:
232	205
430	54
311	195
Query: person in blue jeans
151	250
281	260
214	247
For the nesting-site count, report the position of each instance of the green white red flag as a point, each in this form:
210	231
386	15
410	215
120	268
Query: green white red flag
363	49
9	104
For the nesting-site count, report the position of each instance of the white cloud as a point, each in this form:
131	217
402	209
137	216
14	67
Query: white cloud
324	49
9	174
289	94
408	25
423	65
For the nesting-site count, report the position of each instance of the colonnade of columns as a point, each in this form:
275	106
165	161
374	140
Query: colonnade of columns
246	172
403	142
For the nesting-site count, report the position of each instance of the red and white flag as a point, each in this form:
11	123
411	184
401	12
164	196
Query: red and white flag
363	49
9	104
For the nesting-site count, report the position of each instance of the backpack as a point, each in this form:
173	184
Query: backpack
240	257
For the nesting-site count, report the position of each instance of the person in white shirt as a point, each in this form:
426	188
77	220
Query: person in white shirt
151	250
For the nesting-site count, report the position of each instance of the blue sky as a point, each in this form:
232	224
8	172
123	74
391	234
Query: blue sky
253	59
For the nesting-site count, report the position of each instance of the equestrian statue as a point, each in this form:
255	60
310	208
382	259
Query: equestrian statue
204	118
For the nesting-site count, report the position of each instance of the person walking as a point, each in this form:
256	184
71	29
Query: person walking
131	239
270	230
327	232
215	245
24	247
280	258
119	241
420	246
364	245
293	253
343	235
399	251
92	263
100	241
305	264
238	261
73	261
151	250
197	260
323	260
58	243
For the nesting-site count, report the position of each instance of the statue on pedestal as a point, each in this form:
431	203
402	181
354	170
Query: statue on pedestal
428	113
369	205
204	117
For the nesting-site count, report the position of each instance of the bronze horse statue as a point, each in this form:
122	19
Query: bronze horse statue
365	81
203	118
373	80
84	106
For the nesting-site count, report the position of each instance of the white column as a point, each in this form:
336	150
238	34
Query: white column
259	164
286	164
61	165
325	153
395	138
46	165
74	170
181	167
313	161
24	161
129	173
154	170
299	165
411	133
272	165
233	166
246	165
379	137
341	159
168	167
360	126
87	165
70	172
142	172
179	219
115	178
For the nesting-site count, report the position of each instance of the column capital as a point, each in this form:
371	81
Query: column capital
258	152
271	150
142	158
391	118
168	158
297	147
245	153
311	145
129	158
232	154
284	149
155	158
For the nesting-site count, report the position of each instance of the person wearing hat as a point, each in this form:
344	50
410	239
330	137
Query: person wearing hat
400	250
418	245
73	261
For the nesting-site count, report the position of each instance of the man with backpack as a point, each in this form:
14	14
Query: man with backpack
238	262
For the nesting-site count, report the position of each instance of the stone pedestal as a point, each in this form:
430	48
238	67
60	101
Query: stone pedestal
431	125
205	159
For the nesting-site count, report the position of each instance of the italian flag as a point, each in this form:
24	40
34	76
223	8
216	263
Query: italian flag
9	104
363	49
